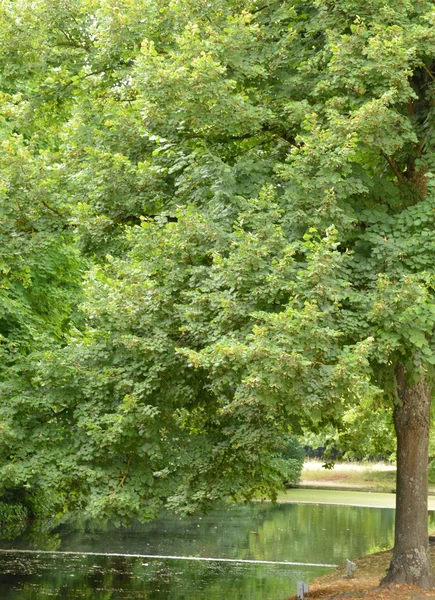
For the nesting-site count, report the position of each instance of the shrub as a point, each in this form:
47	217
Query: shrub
12	513
292	457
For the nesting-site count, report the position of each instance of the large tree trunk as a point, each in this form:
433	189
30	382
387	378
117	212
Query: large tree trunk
411	561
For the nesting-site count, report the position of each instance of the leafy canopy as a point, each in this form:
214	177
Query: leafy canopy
251	186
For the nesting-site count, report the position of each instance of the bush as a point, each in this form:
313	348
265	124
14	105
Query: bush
12	522
12	513
292	457
431	472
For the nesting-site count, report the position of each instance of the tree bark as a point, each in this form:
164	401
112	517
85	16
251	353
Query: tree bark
411	560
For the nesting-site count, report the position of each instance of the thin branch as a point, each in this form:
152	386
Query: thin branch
395	167
65	34
72	44
124	476
246	136
428	72
253	12
53	210
421	146
61	89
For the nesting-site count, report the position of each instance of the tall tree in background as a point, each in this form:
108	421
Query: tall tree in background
280	156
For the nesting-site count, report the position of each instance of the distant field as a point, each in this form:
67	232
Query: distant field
379	477
376	476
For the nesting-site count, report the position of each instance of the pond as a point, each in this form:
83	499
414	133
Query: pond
290	533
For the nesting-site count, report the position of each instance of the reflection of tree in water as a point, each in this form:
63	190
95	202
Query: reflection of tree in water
11	531
431	522
223	533
68	578
305	533
46	534
322	533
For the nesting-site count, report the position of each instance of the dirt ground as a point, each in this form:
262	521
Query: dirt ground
365	583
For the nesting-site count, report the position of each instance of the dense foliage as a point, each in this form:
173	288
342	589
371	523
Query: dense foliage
249	188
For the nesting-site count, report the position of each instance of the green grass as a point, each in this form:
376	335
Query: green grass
345	497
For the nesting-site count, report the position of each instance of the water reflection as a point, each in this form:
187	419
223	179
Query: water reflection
302	533
103	578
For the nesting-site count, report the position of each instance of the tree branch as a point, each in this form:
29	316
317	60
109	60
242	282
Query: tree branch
290	139
53	210
395	167
257	10
428	72
124	476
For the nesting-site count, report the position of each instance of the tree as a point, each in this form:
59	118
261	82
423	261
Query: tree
281	157
117	422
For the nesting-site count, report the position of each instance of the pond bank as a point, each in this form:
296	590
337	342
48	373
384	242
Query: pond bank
364	584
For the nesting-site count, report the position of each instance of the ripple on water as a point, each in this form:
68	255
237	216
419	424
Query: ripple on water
301	533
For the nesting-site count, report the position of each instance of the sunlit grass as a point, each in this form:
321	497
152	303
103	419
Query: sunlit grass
377	475
314	465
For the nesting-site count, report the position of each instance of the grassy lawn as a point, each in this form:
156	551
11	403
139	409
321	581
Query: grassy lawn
339	496
343	496
380	477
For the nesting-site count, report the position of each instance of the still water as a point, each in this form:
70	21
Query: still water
303	533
